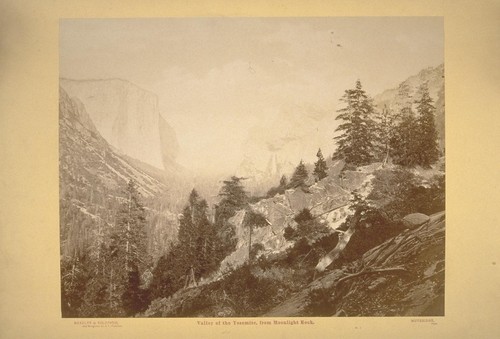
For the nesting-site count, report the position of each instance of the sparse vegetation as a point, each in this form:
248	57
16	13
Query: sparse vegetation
320	302
308	227
400	192
299	177
280	189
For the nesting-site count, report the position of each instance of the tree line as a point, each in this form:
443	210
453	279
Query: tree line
406	135
106	279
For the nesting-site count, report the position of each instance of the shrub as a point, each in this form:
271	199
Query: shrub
320	302
256	248
400	192
326	244
289	233
275	190
254	219
372	229
251	295
308	227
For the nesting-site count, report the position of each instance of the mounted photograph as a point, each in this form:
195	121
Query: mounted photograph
252	167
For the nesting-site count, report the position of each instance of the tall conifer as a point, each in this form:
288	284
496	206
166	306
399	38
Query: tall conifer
299	176
403	140
320	166
356	142
427	135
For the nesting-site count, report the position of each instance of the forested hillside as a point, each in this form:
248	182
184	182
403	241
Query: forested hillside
93	181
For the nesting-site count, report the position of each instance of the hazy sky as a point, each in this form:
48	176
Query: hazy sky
217	77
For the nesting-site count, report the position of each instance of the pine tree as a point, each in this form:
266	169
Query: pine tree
115	259
308	228
207	246
427	135
283	181
253	219
129	236
134	299
128	252
356	143
196	237
320	166
404	139
74	277
299	176
385	130
194	254
168	273
233	197
188	228
104	291
280	189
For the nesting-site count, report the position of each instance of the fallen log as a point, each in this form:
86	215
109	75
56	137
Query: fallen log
372	271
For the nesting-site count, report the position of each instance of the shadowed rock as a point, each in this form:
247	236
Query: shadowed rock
415	220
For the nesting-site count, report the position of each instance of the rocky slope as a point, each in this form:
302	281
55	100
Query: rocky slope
327	199
128	118
370	265
404	276
92	176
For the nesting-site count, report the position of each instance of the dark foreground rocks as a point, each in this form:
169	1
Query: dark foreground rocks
404	276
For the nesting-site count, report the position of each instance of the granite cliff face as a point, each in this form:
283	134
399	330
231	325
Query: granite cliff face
92	178
128	118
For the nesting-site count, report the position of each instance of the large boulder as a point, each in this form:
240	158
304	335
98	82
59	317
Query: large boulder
415	220
298	199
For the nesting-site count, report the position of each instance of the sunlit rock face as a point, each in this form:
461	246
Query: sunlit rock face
128	118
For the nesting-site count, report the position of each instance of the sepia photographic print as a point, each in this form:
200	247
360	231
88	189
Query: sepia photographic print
252	167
